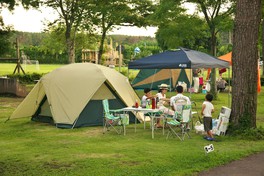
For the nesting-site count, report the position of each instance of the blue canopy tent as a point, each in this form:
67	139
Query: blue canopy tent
181	58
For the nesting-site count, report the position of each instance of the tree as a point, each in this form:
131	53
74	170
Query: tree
106	15
71	15
6	31
10	4
184	31
216	13
245	64
5	44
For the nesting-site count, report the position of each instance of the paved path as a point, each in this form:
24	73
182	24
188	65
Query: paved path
250	166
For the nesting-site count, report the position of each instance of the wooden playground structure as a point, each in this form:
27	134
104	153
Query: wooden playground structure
113	57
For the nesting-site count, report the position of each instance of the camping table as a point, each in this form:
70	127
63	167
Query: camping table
152	113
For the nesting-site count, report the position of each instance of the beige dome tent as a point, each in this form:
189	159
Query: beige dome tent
71	96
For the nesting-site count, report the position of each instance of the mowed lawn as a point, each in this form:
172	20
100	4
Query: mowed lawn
8	68
31	148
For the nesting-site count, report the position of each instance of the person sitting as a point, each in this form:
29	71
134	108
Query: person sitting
179	96
162	100
145	103
221	83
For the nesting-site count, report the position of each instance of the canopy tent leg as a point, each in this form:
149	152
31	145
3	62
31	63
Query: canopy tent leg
229	92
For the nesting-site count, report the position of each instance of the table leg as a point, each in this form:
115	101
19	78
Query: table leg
136	122
152	126
163	119
124	129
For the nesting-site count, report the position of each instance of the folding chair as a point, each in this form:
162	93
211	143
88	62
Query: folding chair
179	124
113	118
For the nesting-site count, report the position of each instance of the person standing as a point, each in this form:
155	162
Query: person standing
196	81
207	109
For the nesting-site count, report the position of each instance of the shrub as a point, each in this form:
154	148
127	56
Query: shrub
28	78
250	134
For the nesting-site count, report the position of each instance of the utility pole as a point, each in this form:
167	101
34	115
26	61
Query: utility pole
120	57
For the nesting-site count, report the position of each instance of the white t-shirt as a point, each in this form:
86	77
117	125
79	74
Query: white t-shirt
208	109
161	102
177	97
145	101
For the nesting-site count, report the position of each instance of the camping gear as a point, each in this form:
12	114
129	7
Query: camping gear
182	58
71	96
180	121
113	118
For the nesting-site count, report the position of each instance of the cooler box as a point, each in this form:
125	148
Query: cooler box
223	120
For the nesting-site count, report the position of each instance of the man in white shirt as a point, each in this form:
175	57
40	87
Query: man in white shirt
179	97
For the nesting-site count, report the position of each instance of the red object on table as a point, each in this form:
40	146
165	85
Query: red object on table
136	104
153	103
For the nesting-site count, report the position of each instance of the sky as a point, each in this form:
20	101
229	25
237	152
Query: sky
33	21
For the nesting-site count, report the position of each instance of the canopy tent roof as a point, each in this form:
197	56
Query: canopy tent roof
181	58
227	57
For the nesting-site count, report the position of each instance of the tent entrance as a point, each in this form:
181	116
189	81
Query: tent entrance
43	114
91	115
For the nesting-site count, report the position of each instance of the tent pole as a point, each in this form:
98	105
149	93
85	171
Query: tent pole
128	74
191	83
229	88
170	79
153	79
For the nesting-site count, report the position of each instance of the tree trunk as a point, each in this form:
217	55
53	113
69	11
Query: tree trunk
70	46
101	48
213	72
245	64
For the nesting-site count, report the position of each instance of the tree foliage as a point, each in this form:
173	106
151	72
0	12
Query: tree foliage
217	15
185	31
71	15
105	15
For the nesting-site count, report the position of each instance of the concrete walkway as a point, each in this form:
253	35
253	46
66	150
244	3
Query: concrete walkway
250	166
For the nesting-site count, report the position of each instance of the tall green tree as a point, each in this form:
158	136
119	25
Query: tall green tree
217	15
71	15
6	31
106	15
185	31
5	34
245	64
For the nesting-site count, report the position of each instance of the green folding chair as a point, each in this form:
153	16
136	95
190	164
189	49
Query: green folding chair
113	119
178	125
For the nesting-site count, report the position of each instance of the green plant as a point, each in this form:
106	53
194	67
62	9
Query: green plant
250	134
28	78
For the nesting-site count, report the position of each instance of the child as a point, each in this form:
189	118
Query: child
145	101
207	109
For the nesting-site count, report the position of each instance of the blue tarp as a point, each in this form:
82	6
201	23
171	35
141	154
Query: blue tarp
181	58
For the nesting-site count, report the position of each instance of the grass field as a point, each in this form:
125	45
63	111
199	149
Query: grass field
30	148
6	69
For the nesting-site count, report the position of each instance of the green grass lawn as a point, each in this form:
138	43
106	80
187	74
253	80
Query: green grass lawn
8	68
31	148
